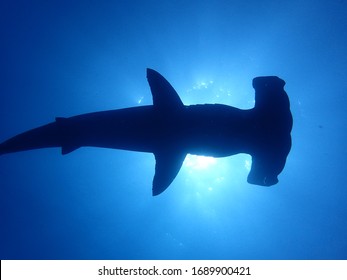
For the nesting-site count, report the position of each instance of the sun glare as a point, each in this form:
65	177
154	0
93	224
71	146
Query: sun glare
139	101
199	162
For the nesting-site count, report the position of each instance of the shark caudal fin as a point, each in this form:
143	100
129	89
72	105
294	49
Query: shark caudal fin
168	158
272	128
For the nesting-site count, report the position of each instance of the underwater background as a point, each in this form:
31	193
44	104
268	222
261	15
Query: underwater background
64	58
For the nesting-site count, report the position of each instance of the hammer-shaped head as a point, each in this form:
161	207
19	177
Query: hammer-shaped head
272	127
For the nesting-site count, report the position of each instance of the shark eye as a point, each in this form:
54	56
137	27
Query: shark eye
269	181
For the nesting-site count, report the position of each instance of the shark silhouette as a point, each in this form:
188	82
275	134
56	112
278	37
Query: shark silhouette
170	130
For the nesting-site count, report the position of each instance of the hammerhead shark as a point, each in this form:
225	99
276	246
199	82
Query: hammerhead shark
171	130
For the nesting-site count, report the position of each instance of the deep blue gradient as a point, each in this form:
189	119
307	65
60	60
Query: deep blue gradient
63	58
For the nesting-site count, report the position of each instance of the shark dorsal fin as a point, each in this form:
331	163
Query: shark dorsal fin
168	164
168	161
164	95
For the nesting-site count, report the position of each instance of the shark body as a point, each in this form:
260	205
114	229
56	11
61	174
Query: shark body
170	130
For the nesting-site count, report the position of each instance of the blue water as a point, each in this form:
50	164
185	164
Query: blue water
63	58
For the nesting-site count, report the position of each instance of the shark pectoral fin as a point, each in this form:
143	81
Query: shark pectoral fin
167	166
164	95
